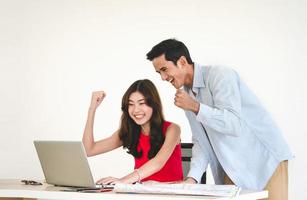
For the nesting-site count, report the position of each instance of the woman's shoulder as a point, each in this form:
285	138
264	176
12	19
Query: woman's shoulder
170	125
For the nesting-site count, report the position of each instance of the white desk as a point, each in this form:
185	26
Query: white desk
14	189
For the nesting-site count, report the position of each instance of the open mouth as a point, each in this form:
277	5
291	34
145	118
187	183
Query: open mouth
139	116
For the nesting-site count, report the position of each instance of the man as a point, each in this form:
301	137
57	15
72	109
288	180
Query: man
230	128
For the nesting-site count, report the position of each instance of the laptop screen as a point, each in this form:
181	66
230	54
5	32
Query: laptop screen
64	163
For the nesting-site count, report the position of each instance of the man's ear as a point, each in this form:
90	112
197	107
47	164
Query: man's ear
182	61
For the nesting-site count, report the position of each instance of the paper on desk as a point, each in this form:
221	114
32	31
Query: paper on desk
184	189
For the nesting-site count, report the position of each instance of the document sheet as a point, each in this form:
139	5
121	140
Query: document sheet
182	189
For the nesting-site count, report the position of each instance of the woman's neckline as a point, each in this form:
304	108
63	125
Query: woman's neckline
145	134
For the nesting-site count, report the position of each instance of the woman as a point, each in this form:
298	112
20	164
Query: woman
153	142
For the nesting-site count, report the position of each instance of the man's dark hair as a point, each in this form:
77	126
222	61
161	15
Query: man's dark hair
172	49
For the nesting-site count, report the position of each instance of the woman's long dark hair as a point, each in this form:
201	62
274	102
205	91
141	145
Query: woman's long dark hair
129	131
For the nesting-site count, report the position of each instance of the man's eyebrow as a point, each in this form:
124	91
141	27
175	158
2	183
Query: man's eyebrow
162	68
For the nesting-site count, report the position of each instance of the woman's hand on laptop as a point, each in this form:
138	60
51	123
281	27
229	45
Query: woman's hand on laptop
108	180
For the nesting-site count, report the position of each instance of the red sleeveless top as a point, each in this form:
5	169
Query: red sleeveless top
171	171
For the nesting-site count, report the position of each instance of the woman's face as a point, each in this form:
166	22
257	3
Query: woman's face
138	110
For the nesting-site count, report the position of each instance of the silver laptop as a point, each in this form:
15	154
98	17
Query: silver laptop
64	163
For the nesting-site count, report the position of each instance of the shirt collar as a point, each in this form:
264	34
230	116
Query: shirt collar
198	78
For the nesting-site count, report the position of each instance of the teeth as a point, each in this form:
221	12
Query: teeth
138	116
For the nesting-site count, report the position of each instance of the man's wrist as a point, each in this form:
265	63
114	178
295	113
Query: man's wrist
190	180
196	107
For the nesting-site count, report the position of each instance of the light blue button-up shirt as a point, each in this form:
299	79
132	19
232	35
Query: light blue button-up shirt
232	131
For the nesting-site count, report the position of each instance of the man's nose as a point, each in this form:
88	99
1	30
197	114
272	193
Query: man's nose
163	76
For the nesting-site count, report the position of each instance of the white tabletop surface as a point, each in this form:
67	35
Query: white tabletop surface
14	188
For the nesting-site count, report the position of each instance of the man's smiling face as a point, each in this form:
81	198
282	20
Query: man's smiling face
169	71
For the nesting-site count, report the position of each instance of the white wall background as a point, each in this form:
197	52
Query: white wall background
53	54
